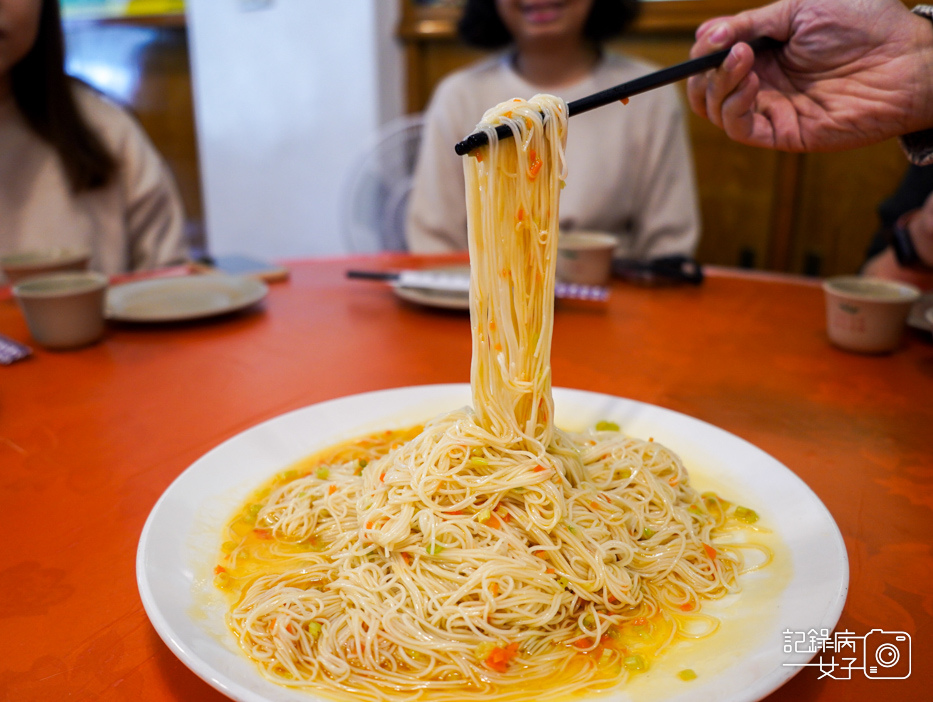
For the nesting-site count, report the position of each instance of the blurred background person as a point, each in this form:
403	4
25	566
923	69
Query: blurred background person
907	214
76	170
630	167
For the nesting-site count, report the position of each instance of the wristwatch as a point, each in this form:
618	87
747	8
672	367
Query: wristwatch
903	246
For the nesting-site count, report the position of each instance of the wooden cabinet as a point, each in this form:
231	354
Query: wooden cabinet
803	213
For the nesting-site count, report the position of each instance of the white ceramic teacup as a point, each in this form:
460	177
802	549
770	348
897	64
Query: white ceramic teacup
867	315
63	310
585	257
20	265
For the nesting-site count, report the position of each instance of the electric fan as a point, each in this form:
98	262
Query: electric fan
378	186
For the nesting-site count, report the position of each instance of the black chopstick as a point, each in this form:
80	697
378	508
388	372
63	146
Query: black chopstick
625	90
372	275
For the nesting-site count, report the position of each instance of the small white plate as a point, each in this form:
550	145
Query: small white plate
443	299
805	588
182	298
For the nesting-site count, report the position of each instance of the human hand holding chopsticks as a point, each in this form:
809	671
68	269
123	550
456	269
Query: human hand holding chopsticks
852	73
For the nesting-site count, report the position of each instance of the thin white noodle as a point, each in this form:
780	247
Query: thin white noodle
490	527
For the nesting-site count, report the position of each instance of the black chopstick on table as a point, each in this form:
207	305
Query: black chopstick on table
625	90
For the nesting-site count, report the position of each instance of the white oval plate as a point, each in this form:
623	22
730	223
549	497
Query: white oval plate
182	298
805	588
442	299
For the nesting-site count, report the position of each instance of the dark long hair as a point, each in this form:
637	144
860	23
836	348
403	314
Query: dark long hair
481	26
44	94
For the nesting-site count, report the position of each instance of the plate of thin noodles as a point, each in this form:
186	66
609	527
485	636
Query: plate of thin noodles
803	588
496	541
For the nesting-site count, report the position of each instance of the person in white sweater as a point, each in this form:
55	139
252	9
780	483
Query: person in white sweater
76	170
630	167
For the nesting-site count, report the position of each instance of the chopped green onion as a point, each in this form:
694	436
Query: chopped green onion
604	425
743	514
686	675
434	549
322	472
634	663
484	649
588	621
647	533
314	629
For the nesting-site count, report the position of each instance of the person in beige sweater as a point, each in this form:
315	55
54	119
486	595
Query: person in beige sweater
630	168
76	170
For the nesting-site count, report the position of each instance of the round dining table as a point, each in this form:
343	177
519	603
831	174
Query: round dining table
90	439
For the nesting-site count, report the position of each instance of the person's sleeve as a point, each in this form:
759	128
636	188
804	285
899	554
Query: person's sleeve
918	146
911	193
154	215
436	220
669	222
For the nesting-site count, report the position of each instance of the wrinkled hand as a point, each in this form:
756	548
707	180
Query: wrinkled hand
852	73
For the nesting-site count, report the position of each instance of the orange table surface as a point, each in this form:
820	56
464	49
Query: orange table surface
89	440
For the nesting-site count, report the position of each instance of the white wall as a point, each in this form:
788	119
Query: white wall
286	92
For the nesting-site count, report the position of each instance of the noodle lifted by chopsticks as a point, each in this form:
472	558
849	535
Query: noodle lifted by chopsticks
488	554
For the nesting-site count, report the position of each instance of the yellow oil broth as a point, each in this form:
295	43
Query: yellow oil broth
249	550
626	650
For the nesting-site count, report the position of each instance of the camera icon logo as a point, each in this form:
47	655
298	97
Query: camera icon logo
887	655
